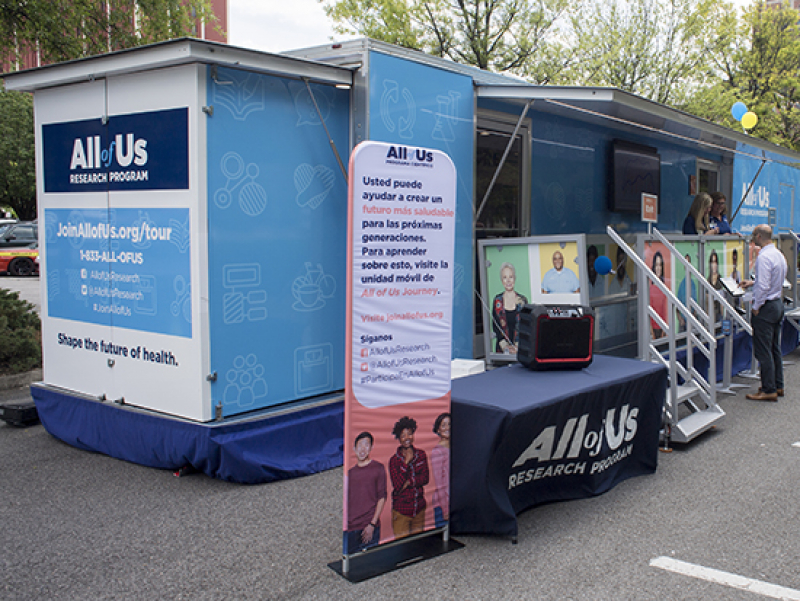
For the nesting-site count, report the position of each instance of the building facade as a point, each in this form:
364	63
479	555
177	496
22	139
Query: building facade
30	58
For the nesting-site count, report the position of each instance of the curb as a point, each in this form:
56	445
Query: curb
20	380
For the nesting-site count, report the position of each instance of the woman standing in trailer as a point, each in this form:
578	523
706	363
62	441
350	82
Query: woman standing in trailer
716	218
696	221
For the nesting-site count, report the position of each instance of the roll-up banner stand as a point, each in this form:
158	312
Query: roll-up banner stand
402	207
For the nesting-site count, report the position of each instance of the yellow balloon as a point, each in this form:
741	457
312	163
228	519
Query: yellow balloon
749	120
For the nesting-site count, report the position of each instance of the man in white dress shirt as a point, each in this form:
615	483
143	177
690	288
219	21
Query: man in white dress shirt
767	314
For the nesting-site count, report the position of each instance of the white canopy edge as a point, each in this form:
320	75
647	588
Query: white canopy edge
175	52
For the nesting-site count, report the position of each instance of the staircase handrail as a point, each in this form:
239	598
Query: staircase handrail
710	338
713	292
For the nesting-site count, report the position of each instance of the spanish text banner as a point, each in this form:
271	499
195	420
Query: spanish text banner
400	288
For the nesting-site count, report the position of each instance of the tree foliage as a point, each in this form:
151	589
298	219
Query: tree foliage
68	29
498	35
655	48
658	49
20	334
696	55
63	30
760	67
17	157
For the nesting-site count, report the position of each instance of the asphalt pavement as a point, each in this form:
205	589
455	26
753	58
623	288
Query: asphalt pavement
79	525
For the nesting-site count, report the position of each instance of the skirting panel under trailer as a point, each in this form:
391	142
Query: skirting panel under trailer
258	449
270	446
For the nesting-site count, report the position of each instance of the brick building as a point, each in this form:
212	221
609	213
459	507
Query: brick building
776	3
30	58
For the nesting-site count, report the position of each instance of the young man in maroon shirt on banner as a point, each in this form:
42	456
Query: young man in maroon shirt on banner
408	470
366	496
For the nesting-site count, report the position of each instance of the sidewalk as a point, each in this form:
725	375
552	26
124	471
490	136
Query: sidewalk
18	384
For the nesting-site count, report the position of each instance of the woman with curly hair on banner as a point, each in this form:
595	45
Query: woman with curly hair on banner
409	473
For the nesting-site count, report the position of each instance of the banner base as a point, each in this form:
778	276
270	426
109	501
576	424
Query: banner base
382	560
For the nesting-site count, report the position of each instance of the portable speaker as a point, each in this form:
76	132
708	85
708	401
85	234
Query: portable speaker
555	336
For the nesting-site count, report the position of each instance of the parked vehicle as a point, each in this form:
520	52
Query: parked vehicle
20	262
18	235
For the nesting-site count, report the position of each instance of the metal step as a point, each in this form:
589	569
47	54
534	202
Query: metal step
685	391
695	424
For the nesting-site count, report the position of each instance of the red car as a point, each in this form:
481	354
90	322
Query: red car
19	261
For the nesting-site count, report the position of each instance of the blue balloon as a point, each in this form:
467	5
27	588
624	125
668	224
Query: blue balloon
738	110
602	265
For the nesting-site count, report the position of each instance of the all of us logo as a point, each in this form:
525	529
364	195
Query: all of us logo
415	156
90	154
138	151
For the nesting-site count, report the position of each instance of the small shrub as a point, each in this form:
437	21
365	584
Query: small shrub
20	335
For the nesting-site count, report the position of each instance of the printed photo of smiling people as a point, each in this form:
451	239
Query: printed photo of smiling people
545	270
596	284
686	288
659	260
506	289
397	474
559	271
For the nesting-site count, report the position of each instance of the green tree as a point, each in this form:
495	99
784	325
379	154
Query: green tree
20	335
69	29
658	49
63	30
760	67
17	158
498	35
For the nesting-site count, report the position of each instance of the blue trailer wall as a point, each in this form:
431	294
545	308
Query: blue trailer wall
571	174
277	214
775	187
417	105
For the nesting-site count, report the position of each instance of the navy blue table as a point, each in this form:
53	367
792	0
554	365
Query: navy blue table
523	438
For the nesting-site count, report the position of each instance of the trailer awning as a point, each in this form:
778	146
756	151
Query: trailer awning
176	52
623	111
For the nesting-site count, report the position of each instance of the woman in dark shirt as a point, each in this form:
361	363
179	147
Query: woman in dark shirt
506	311
696	221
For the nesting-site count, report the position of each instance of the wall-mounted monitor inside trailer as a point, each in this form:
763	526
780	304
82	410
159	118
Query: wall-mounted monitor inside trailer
636	169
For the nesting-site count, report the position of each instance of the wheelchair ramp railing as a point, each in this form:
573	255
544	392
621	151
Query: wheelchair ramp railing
691	405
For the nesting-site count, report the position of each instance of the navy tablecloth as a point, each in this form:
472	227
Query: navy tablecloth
522	438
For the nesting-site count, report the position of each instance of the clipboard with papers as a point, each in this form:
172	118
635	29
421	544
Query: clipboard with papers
732	287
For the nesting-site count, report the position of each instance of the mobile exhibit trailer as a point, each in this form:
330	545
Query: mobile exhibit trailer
193	197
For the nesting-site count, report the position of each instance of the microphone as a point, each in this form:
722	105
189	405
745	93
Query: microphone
603	266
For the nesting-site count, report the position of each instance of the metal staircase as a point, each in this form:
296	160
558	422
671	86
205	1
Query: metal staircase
691	405
793	315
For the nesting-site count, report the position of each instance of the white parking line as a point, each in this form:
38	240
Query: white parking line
796	444
764	589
